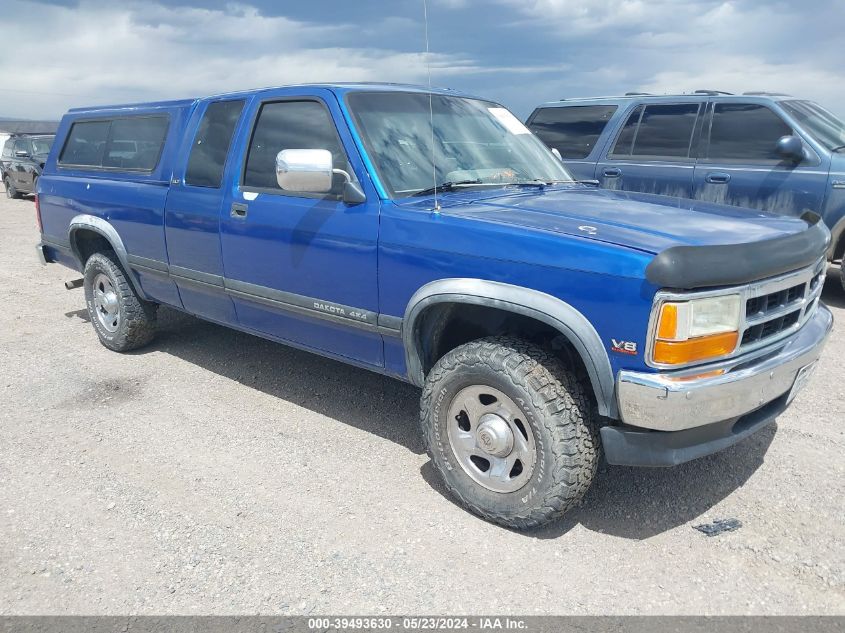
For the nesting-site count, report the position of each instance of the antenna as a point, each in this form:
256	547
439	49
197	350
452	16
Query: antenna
430	108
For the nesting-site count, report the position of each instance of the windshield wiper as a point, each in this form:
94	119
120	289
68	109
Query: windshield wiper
537	182
446	186
836	149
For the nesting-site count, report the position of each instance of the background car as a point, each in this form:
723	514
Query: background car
22	161
757	150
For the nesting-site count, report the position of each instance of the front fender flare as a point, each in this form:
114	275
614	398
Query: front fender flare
531	303
104	228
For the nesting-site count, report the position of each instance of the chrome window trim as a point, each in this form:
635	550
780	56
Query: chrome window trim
808	304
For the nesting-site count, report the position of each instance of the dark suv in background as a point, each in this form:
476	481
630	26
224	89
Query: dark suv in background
22	160
757	150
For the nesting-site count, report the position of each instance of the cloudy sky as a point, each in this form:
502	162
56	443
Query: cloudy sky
62	53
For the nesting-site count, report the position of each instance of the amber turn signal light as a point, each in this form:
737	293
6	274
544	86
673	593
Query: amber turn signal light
695	349
668	327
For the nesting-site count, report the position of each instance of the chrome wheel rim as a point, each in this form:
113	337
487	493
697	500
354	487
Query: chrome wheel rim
491	439
106	303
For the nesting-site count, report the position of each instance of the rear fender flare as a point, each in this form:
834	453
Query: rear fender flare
104	228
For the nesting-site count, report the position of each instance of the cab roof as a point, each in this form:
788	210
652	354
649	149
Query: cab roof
346	87
339	88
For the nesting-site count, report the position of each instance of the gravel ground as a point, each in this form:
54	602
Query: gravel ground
215	472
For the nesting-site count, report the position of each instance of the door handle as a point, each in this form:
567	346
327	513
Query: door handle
238	210
612	172
717	178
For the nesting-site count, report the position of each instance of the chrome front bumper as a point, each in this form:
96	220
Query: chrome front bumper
675	401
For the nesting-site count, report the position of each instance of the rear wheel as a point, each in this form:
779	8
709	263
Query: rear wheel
123	321
511	431
11	190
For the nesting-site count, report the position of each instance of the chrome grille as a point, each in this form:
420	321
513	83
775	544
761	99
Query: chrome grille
777	307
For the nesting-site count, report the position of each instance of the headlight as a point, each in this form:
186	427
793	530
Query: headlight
695	330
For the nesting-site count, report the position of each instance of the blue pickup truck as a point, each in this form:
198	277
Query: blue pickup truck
429	236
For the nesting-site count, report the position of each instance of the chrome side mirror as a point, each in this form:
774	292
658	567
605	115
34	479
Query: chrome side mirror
310	171
304	170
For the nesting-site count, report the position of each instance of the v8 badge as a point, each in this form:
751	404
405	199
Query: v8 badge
623	347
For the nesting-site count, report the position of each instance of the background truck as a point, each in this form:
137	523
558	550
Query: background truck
21	161
546	321
758	150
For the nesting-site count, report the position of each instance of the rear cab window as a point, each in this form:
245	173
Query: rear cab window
131	143
211	144
571	130
658	132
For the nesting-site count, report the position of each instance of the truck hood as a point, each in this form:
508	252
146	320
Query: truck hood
646	222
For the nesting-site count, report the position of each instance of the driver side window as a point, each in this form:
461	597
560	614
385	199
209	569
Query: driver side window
292	125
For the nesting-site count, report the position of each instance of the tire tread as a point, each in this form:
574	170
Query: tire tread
139	316
557	392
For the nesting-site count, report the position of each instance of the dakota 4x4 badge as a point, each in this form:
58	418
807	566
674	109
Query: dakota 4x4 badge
623	347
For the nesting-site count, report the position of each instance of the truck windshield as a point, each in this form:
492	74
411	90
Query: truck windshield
476	143
818	122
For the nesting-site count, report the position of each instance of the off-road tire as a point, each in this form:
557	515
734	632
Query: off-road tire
11	190
137	322
560	413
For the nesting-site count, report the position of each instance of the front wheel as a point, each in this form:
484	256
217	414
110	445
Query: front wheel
511	431
123	321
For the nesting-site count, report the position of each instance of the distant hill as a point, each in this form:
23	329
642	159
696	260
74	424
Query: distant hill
20	126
